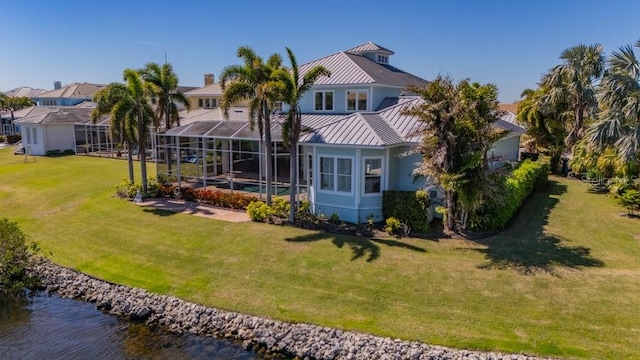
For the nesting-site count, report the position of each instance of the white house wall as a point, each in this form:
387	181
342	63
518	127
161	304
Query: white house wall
59	137
34	145
508	148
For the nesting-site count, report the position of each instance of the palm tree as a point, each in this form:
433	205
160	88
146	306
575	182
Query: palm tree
131	109
121	122
166	95
12	104
573	83
546	125
253	81
292	91
456	135
619	122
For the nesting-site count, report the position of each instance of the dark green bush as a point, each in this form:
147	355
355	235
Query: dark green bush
12	139
408	206
15	255
496	212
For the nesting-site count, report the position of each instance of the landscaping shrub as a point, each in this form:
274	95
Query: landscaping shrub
495	212
14	138
280	208
127	189
630	200
259	211
408	206
222	199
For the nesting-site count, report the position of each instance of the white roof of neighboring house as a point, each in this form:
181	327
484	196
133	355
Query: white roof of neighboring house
24	91
59	115
76	90
28	111
351	67
209	90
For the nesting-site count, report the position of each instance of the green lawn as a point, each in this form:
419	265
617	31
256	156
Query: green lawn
564	280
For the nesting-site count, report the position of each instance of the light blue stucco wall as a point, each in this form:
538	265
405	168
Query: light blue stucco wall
380	93
375	96
62	101
355	206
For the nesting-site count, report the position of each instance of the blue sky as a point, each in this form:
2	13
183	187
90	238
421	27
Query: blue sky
508	43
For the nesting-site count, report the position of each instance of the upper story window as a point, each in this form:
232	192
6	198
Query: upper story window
323	100
383	59
200	102
207	103
214	103
357	100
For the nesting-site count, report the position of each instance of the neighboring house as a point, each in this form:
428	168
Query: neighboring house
6	125
510	111
47	129
69	95
9	127
25	91
354	138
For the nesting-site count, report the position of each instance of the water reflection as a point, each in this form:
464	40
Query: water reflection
53	328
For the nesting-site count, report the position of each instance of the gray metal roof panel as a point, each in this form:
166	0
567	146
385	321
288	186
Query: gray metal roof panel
369	47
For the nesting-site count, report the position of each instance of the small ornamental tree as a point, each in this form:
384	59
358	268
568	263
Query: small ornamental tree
630	200
15	254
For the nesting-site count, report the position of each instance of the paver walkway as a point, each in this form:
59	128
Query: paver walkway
193	208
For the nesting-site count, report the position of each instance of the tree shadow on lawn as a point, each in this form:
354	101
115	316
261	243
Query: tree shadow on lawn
159	212
360	246
527	248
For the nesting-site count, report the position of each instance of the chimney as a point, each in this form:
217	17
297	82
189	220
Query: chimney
57	85
208	79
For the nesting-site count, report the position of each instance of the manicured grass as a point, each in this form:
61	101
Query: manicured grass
562	281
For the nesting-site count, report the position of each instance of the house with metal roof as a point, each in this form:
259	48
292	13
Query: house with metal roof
353	147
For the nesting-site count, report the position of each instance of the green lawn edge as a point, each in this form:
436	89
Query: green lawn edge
561	281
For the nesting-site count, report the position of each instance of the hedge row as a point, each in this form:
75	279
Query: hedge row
496	212
409	206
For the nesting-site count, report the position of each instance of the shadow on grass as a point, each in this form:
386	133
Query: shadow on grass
159	212
360	246
527	248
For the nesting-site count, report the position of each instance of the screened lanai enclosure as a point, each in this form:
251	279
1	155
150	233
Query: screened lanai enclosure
97	139
225	155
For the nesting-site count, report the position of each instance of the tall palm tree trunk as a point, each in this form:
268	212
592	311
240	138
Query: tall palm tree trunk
142	152
130	158
167	158
268	146
294	161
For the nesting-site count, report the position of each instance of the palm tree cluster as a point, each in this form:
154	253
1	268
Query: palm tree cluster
262	83
457	134
137	105
588	106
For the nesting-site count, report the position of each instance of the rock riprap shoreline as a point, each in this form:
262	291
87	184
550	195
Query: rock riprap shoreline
303	341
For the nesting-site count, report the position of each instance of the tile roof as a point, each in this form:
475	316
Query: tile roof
209	90
512	108
28	111
24	91
59	115
76	90
354	69
369	47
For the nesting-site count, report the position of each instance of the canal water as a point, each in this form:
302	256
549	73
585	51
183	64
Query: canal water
44	327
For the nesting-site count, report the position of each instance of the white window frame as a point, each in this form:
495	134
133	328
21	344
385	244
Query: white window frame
207	103
364	175
34	135
200	103
214	103
357	92
324	100
335	174
382	59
